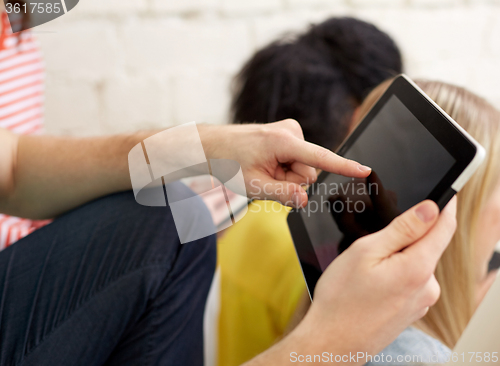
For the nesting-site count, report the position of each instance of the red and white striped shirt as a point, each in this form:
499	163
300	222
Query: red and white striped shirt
21	106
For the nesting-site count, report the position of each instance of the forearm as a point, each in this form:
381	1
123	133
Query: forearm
51	175
310	342
279	354
45	176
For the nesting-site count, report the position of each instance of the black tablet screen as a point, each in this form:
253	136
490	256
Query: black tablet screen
407	162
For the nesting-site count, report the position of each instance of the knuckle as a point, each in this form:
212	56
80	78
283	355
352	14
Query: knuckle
414	282
264	130
311	176
423	312
420	275
406	228
362	247
452	223
428	268
284	200
291	127
293	124
432	292
273	135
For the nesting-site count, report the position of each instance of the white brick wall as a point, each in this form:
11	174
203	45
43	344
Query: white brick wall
122	65
136	102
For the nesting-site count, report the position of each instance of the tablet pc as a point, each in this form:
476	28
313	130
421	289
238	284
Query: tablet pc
416	152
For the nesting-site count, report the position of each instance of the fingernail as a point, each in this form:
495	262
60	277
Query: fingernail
296	200
364	168
426	212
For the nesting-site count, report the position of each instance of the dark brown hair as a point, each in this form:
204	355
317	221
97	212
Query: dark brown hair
318	78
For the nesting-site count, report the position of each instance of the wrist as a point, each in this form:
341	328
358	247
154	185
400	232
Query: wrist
210	139
323	338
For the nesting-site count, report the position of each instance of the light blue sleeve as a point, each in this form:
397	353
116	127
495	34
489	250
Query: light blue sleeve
412	347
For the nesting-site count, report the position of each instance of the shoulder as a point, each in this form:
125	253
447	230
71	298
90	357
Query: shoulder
410	348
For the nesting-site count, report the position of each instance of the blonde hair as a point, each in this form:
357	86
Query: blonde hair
447	319
455	272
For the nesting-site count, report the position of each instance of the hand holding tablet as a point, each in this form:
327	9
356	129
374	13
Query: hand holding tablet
416	151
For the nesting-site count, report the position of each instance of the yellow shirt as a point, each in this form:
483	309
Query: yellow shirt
261	283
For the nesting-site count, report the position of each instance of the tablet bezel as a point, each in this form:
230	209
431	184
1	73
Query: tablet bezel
468	155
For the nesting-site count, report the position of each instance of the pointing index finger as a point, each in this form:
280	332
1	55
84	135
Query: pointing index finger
324	159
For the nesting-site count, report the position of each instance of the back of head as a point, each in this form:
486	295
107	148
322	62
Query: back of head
317	78
456	270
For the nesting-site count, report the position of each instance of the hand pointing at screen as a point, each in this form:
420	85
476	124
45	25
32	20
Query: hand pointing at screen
371	292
